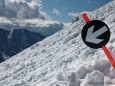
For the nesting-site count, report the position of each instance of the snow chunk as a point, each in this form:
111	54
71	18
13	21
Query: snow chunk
94	78
73	80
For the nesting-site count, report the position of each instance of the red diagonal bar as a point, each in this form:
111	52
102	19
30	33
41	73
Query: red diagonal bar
85	17
108	54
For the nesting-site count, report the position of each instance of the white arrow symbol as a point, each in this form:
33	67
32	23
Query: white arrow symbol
92	36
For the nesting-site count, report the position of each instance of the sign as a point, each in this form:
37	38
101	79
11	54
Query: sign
96	34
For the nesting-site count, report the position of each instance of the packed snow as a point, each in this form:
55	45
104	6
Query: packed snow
63	59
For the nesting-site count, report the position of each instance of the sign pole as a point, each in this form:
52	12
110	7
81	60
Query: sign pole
109	56
104	48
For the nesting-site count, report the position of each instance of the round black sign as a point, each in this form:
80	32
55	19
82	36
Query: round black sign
95	34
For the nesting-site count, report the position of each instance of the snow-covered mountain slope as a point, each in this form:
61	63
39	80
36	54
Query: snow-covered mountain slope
63	59
16	40
44	28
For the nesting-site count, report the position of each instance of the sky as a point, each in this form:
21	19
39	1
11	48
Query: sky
60	10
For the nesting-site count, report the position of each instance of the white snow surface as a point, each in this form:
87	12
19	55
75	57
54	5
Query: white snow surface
63	59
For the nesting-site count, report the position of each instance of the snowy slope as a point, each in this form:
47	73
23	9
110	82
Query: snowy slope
63	59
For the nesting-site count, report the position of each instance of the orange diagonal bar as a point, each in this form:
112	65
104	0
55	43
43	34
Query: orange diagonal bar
85	17
111	59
